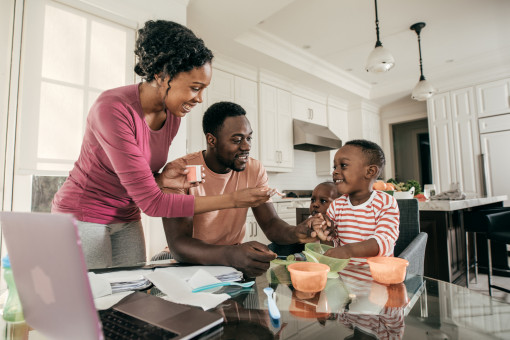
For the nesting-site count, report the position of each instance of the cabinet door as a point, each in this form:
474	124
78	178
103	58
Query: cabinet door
493	98
251	229
494	147
195	140
246	95
285	131
221	88
268	146
441	141
309	111
466	141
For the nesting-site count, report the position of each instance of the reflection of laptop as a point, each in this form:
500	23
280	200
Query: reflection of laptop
51	277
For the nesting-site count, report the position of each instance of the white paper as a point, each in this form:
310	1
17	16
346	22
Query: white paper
179	291
99	285
222	273
107	301
202	278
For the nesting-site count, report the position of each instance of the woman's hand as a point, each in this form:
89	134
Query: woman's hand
173	176
252	197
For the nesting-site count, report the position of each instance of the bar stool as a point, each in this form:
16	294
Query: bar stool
475	222
498	229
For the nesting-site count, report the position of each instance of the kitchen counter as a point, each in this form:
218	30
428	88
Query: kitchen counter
445	205
446	254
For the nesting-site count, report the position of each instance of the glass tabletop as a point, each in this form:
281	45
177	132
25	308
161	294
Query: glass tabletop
352	306
356	307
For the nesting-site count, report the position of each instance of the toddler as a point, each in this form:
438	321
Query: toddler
322	196
365	222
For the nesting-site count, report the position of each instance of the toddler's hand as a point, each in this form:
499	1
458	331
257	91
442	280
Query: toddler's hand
321	226
338	252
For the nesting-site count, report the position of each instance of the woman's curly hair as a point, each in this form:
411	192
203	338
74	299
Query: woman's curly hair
168	48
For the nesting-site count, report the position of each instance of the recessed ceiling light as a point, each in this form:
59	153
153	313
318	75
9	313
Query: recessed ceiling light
374	83
348	69
306	47
450	60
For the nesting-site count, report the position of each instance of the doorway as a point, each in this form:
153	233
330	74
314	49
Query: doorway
411	150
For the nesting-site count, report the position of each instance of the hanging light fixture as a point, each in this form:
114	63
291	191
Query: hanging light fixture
424	89
380	59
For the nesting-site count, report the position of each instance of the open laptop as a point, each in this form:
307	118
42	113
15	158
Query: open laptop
51	277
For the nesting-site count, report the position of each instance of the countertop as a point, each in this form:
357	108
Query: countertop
445	205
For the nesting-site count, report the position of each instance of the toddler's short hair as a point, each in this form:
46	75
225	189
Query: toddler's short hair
372	151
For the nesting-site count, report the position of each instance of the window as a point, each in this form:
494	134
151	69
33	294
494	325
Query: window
69	56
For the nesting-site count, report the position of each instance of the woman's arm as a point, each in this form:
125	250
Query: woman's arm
244	198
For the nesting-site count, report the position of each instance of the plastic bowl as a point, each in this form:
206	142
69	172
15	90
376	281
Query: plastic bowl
388	270
314	253
309	277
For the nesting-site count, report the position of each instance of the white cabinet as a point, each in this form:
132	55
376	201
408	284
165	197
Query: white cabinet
339	124
455	147
309	110
225	87
276	145
253	231
494	139
493	98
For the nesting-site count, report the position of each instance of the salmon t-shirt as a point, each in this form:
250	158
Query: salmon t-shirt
227	226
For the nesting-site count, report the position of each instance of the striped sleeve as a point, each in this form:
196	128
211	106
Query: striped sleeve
387	218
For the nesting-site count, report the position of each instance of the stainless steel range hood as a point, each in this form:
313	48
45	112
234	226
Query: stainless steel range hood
313	137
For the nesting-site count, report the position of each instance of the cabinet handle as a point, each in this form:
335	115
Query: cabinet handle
255	228
281	156
251	229
310	113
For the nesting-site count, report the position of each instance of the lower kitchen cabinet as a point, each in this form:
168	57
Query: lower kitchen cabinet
254	232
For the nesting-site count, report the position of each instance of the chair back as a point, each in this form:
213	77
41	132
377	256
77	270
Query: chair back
499	226
409	223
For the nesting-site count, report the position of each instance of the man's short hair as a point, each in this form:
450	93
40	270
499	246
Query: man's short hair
216	114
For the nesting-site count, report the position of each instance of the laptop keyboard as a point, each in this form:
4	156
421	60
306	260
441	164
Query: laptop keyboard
118	325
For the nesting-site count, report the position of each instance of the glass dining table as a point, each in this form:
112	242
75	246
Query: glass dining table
352	306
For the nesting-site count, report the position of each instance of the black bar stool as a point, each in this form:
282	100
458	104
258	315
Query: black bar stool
498	229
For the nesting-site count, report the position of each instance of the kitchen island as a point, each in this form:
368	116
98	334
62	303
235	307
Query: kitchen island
443	221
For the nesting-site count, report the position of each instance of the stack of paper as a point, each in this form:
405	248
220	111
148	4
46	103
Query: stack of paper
133	284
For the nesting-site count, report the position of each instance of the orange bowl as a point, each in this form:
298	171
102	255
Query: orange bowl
388	270
309	277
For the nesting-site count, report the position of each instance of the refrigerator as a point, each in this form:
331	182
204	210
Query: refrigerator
495	145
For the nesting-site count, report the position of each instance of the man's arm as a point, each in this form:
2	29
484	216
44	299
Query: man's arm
252	258
279	231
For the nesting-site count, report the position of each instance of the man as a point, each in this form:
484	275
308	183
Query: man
215	237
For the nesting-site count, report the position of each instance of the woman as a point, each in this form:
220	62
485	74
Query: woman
127	138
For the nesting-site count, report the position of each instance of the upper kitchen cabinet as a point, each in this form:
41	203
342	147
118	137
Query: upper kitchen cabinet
338	123
276	146
493	98
454	140
308	110
225	86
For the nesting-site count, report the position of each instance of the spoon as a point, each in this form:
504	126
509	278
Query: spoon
273	310
220	284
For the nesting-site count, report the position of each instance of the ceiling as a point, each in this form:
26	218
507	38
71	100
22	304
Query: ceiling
325	43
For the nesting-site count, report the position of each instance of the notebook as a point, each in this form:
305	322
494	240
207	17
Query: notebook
51	277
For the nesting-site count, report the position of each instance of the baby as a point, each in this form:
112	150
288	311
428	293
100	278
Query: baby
322	196
365	222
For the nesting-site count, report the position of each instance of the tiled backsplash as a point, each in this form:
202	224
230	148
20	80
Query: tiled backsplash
303	177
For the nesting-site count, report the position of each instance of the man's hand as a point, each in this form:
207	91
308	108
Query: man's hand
252	258
322	226
304	233
173	176
252	197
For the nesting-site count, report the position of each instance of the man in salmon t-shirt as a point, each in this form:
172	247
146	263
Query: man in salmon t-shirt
215	238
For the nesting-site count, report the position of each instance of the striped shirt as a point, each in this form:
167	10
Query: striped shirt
377	218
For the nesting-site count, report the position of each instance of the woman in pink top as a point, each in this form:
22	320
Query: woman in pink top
129	132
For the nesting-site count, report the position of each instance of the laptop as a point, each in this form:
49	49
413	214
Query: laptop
51	277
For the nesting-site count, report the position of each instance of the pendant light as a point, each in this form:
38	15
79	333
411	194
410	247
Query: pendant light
380	59
424	89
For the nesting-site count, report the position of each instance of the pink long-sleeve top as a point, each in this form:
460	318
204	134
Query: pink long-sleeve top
113	177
